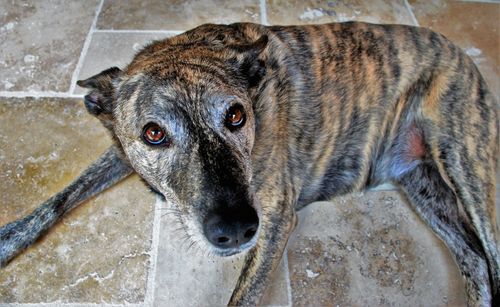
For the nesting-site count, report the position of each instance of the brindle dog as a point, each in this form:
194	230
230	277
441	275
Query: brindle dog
242	125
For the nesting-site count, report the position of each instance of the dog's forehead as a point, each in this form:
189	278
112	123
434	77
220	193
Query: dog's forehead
183	90
168	58
190	75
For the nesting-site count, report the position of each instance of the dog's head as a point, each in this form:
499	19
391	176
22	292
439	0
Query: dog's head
184	118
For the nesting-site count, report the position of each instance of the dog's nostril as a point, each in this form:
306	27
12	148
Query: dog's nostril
250	233
222	239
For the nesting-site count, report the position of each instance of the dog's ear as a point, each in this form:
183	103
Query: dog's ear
250	66
102	87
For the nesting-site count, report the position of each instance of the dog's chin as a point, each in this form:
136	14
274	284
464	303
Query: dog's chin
227	252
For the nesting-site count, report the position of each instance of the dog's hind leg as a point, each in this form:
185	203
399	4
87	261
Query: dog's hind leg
461	130
474	184
102	174
437	205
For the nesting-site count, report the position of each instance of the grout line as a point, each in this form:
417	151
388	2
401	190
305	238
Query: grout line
85	48
287	278
57	304
168	32
38	94
263	12
482	1
414	19
150	288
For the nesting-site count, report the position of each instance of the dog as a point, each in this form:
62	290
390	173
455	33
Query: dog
243	125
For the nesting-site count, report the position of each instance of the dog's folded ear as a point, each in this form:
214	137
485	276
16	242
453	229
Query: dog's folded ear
251	67
102	87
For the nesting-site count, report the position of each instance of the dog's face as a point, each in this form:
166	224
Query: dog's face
191	140
185	121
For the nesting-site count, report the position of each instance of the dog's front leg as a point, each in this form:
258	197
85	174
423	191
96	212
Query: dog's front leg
102	174
277	223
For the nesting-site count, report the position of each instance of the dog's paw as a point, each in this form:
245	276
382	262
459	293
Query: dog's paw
14	238
7	239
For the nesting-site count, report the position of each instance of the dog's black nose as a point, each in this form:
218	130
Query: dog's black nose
231	228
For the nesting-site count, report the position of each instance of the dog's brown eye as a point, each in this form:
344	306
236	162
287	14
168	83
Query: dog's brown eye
235	117
154	134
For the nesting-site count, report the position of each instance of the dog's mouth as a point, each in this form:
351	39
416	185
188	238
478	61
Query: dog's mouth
227	252
231	230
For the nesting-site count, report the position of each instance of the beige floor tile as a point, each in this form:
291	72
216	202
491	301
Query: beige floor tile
99	252
473	26
188	275
175	15
44	144
315	11
498	213
367	250
41	41
113	49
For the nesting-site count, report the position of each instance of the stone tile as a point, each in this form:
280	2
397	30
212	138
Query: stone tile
41	41
113	49
316	11
44	144
175	15
478	33
370	249
498	173
498	213
100	251
183	266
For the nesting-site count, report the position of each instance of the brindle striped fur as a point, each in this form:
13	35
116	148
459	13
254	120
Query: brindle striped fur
330	109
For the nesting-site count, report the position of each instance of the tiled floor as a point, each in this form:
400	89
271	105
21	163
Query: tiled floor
123	247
